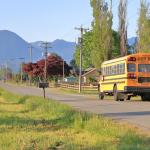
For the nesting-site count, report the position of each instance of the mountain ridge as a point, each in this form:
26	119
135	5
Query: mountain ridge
13	46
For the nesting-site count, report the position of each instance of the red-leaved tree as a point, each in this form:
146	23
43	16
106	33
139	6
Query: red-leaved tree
54	67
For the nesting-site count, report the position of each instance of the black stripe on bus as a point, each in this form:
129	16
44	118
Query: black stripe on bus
110	91
114	74
112	82
114	78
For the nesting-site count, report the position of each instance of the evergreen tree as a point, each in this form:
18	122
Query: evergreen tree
102	32
122	14
115	44
86	51
144	28
101	43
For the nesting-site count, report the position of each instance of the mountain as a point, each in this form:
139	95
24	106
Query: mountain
63	48
132	41
12	46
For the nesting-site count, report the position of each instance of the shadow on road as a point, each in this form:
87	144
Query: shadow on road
128	114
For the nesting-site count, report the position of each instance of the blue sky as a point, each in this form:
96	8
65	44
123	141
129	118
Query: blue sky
48	20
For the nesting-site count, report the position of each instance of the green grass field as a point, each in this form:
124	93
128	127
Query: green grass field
32	123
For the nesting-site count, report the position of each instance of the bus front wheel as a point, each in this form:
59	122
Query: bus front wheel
101	95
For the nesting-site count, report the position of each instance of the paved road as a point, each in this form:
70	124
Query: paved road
134	112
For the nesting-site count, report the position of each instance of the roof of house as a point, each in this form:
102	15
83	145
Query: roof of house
90	70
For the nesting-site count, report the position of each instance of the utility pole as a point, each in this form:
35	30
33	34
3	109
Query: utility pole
63	70
21	68
6	71
30	50
2	72
80	40
31	54
45	45
11	69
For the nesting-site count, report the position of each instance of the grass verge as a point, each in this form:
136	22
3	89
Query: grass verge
32	123
93	92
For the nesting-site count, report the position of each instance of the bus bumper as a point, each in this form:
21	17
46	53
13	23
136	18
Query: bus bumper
137	90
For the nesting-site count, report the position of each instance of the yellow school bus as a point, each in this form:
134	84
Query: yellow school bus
125	77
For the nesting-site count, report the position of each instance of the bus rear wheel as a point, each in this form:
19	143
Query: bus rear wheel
145	97
128	97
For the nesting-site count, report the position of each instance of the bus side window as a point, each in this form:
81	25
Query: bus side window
109	70
118	69
123	68
104	71
113	70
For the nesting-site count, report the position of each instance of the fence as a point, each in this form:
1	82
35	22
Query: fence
75	86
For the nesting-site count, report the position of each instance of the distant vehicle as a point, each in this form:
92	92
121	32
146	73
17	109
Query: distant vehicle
126	77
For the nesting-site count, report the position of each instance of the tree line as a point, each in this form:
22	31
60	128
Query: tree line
103	43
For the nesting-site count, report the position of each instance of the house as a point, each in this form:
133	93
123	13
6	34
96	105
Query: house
70	79
91	75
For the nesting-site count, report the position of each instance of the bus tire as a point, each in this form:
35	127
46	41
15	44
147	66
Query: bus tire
145	97
116	94
101	95
128	97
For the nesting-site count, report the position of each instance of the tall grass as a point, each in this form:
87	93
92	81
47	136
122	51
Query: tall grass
32	123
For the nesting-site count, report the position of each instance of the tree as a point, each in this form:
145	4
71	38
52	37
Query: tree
54	67
115	44
6	73
74	66
86	51
101	43
102	32
143	32
122	14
